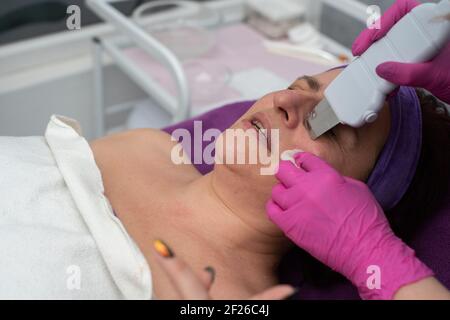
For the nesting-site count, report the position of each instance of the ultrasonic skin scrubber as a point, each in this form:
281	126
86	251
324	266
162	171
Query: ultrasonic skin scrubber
357	95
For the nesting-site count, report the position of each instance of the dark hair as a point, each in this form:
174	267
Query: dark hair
425	196
430	186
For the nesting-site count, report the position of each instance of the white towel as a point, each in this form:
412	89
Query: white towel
59	238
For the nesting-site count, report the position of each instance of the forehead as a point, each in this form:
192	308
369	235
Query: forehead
318	82
323	78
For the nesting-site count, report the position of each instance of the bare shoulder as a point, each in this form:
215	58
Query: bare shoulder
133	139
139	152
133	145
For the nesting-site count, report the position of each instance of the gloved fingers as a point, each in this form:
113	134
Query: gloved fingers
286	198
405	74
313	164
310	162
274	211
288	174
399	9
393	15
278	190
363	42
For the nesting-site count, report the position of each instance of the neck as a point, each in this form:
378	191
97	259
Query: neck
231	221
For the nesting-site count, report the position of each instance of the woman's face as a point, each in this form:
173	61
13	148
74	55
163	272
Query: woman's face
353	152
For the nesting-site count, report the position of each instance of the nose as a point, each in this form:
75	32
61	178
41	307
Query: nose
292	106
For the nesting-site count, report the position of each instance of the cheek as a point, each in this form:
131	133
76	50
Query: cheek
302	141
360	164
332	156
322	149
356	164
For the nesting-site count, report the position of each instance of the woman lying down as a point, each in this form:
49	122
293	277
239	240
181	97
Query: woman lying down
82	221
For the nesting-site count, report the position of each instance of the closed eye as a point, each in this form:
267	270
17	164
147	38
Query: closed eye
332	132
313	84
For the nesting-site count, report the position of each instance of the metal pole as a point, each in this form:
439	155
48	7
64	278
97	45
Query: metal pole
153	47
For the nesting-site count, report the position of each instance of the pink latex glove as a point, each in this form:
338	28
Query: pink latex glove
338	221
433	76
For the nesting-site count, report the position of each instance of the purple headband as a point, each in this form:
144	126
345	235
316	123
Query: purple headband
397	162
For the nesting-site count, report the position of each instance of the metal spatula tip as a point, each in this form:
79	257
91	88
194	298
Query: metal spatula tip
321	120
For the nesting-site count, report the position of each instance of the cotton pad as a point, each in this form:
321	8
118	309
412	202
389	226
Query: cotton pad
288	155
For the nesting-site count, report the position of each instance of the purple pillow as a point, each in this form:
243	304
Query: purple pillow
221	118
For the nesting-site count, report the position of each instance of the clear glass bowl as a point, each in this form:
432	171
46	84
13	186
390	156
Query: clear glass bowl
206	78
183	35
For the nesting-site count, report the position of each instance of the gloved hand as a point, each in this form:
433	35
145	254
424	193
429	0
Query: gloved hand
433	76
338	221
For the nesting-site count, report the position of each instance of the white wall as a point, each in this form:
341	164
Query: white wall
53	75
26	111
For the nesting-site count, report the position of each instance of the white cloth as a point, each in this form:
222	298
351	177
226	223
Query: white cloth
59	238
